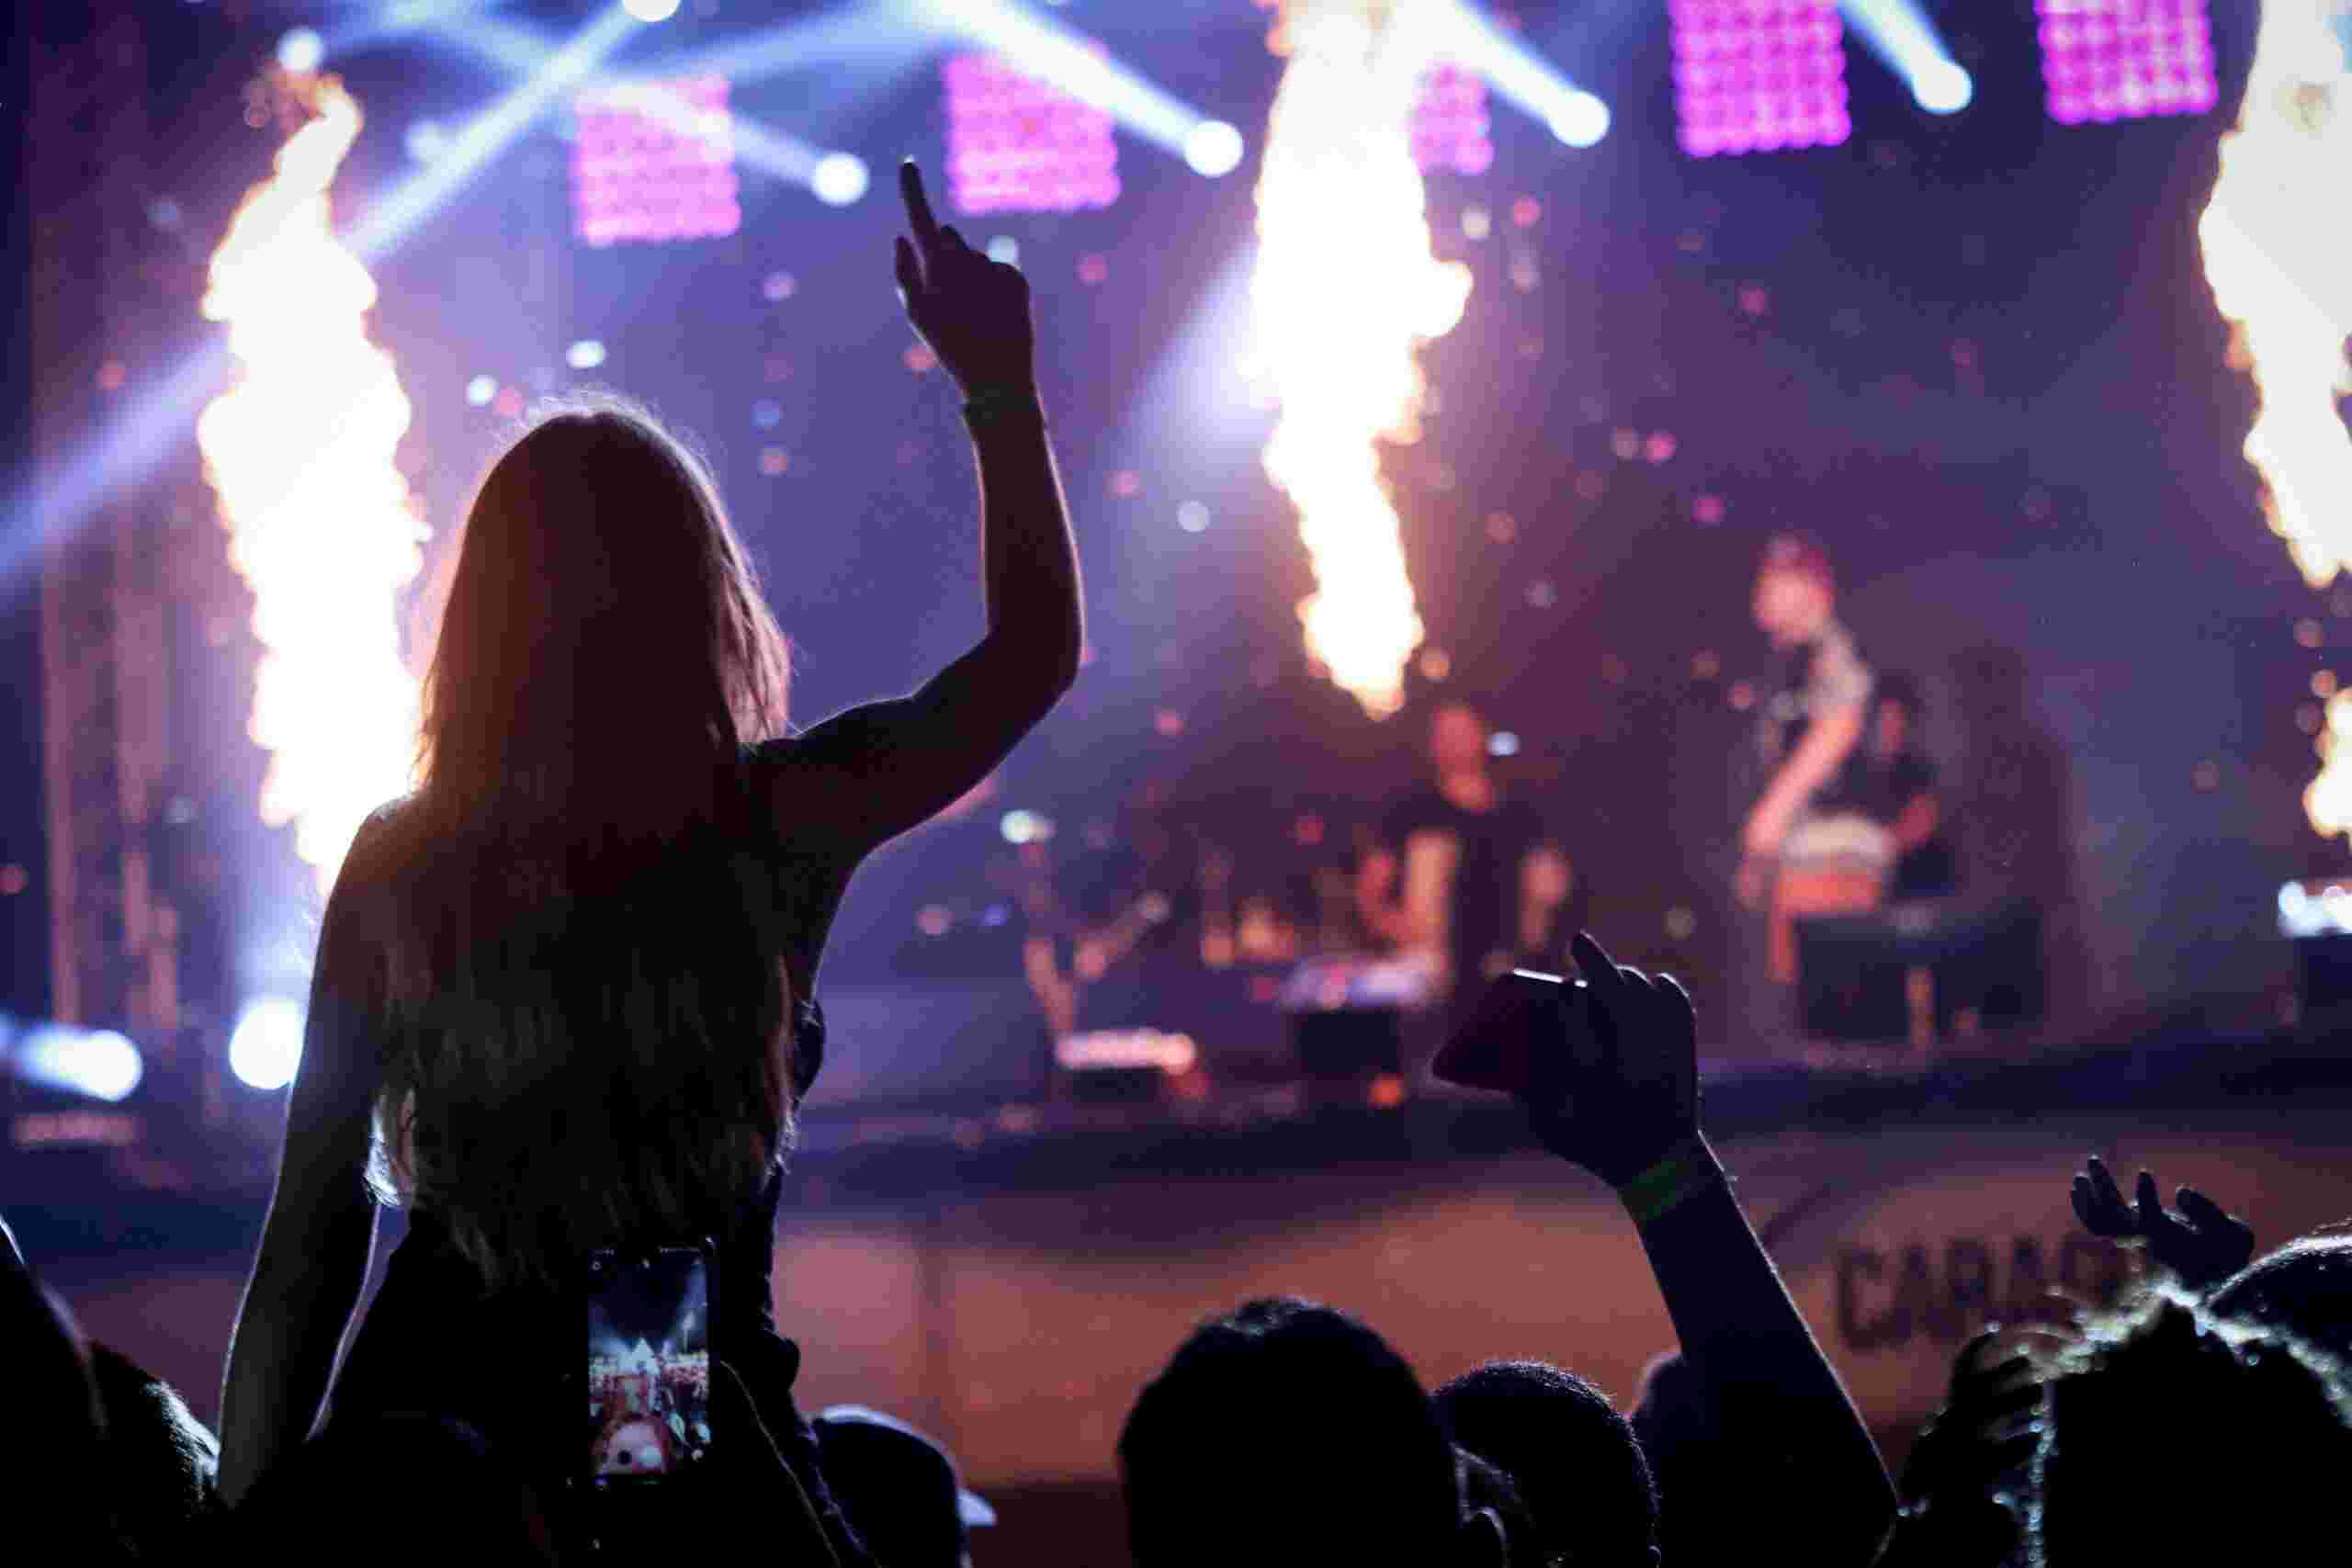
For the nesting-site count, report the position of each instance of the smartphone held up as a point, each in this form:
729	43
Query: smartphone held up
648	1365
1525	1034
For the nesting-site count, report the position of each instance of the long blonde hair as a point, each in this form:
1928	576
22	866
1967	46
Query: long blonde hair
585	1007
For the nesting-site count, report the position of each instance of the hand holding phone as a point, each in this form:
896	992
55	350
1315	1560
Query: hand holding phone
1608	1067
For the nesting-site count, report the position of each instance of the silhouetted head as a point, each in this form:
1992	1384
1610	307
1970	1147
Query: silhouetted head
1795	590
1458	737
1897	715
583	956
1288	1433
2304	1289
2177	1436
603	639
899	1488
1575	1461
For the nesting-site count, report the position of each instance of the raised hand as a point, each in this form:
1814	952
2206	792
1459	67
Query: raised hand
1965	1470
973	312
2198	1242
1618	1096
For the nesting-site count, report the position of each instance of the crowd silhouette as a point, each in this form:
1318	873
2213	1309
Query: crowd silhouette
565	1000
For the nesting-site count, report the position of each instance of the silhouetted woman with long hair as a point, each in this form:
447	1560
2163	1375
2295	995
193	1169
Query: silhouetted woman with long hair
564	992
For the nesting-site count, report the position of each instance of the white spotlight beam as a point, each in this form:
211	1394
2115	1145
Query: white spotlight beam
399	19
1903	38
51	504
1063	61
1519	74
421	194
853	35
756	144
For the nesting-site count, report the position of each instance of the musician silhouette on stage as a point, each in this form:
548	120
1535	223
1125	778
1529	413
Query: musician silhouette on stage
1462	875
1808	848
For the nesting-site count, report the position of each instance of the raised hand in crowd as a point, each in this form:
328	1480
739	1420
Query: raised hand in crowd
972	310
1964	1483
891	765
1620	1098
2197	1242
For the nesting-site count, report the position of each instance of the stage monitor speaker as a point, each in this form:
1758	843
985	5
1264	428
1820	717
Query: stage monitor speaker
1936	969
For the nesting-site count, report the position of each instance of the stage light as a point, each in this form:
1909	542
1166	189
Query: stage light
1193	517
481	389
1006	249
2109	59
585	354
1450	124
301	51
425	141
1900	34
1943	87
1582	119
98	1063
839	179
1025	828
266	1047
1757	80
654	161
1213	148
1043	51
1462	33
652	10
1016	143
1502	743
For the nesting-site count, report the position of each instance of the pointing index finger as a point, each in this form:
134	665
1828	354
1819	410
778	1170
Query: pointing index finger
919	215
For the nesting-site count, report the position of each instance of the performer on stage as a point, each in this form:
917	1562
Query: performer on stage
1895	783
1464	876
1806	850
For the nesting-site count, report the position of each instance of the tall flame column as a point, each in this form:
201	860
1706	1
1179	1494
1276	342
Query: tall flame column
2278	243
1345	288
300	451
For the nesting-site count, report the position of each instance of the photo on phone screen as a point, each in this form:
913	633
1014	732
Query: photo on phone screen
648	1365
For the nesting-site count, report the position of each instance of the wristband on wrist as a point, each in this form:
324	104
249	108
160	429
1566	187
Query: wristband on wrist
1685	1168
990	405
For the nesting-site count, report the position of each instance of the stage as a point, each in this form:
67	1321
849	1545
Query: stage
1008	1275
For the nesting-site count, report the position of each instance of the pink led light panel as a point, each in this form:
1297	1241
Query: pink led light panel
654	161
1757	76
1448	127
2107	60
1016	145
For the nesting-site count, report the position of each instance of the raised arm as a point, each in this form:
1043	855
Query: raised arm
900	761
1624	1105
311	1267
1813	763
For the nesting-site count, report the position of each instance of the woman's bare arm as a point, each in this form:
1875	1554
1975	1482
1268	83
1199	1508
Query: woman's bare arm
311	1267
889	765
